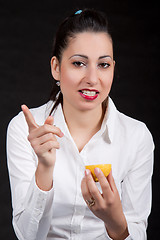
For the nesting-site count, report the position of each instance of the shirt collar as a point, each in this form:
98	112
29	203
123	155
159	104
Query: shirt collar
108	124
60	122
110	119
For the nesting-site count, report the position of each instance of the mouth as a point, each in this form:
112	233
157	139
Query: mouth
89	94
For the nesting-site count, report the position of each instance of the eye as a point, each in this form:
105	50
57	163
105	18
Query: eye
104	65
78	64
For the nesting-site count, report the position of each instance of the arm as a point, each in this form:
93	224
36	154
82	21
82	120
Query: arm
136	187
32	197
126	219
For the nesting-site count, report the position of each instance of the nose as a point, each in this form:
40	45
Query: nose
92	75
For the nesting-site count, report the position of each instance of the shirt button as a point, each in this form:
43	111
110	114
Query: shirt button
37	214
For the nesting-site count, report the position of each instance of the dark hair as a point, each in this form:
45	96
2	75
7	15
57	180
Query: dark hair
81	21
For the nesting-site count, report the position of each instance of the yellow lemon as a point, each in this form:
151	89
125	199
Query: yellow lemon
105	168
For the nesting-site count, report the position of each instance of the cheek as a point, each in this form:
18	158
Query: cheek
68	82
68	77
108	79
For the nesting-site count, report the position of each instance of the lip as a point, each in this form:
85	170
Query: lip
91	98
87	89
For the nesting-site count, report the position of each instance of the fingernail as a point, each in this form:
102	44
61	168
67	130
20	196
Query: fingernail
23	106
87	172
62	134
97	170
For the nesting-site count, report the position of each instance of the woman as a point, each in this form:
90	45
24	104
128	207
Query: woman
53	196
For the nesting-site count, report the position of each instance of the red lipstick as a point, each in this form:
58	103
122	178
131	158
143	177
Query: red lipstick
86	94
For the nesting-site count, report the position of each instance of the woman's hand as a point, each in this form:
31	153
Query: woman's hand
43	141
42	138
107	206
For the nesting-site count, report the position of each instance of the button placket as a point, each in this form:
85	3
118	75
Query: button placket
79	208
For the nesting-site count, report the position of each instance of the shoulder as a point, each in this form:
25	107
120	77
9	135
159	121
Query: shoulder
129	123
129	129
136	131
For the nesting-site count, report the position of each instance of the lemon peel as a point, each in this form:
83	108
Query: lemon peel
105	168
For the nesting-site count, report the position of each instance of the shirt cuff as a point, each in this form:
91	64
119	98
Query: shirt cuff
108	237
38	202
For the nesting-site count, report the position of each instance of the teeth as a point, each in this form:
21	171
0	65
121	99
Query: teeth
89	93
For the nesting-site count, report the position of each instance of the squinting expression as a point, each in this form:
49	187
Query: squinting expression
86	70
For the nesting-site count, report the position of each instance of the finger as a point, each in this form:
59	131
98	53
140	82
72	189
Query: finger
29	118
46	147
85	191
43	130
49	120
47	128
43	139
94	191
111	181
105	185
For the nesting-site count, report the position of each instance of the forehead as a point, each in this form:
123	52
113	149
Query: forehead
90	44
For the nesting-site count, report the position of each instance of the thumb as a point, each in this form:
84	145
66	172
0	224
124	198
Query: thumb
49	120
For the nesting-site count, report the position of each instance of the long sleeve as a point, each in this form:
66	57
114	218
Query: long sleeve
136	191
62	212
31	206
136	187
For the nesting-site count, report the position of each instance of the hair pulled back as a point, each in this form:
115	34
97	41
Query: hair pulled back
88	20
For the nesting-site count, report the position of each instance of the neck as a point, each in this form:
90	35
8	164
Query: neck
76	120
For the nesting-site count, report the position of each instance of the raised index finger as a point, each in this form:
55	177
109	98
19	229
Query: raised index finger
29	118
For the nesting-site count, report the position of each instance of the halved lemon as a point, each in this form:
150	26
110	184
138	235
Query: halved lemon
105	168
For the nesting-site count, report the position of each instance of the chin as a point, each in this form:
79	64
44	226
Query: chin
88	106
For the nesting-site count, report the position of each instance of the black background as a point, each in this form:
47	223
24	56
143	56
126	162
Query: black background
26	34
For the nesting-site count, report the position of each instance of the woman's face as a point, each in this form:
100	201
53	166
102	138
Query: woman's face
86	70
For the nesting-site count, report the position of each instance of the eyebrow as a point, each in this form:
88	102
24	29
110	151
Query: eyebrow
105	56
84	56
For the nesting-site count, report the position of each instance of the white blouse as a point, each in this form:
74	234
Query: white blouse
62	213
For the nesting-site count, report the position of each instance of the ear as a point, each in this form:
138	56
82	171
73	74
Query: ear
114	63
55	68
